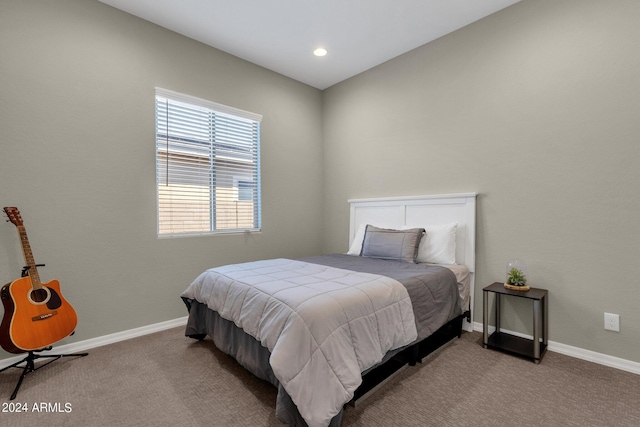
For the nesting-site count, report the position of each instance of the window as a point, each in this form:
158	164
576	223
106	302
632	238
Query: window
207	166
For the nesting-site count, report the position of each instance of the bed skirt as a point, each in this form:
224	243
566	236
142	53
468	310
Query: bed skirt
254	357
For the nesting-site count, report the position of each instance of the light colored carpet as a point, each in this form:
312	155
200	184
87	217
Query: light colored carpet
166	379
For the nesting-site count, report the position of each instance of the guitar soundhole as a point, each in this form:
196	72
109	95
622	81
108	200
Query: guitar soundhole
39	295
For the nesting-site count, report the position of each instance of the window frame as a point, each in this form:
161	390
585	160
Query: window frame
215	169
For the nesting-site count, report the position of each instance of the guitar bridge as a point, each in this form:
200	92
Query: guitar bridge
44	316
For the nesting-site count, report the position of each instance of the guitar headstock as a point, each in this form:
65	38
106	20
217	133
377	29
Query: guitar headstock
14	216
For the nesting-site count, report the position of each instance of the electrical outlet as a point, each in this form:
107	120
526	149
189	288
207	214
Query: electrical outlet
612	322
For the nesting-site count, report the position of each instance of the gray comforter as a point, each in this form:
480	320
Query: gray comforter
433	292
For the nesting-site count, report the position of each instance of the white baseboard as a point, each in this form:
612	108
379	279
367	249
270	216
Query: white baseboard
578	353
80	346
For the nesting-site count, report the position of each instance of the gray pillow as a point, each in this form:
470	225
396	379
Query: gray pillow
400	245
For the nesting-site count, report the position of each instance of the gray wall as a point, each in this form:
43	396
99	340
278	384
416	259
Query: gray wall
536	108
77	158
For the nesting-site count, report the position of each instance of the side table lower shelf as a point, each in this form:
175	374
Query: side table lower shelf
513	344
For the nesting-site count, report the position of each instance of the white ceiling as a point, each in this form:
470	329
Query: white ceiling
281	34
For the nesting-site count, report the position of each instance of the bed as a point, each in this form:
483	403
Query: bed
328	330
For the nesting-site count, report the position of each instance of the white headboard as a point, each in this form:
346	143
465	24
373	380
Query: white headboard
394	212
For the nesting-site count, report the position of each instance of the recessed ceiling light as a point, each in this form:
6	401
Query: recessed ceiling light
320	51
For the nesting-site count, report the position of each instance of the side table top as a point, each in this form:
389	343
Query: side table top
532	293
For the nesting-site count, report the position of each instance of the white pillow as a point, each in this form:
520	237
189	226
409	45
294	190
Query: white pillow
356	245
438	245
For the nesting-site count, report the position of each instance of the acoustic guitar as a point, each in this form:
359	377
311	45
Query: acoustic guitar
36	315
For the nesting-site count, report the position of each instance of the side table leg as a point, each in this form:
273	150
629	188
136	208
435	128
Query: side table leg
545	320
485	318
536	331
498	312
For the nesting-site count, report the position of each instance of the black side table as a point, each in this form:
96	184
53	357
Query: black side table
499	340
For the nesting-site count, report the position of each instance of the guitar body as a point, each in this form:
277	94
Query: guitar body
36	315
34	318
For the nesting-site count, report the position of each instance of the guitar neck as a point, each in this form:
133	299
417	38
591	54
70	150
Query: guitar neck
28	257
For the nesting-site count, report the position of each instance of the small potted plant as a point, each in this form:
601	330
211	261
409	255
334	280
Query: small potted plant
516	276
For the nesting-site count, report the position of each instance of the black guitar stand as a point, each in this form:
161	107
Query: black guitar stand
29	366
25	270
29	361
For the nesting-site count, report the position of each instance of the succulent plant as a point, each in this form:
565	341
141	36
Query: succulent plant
516	277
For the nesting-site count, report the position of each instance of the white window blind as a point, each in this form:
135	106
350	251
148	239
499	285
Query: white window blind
207	166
